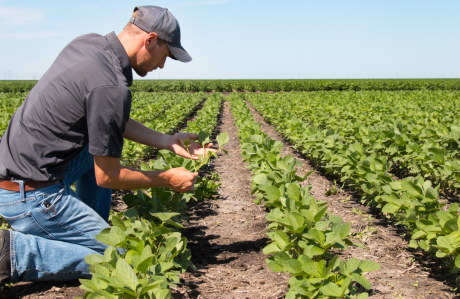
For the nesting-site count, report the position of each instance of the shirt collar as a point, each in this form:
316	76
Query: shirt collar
122	56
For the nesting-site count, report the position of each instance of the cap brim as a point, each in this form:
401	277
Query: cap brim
179	53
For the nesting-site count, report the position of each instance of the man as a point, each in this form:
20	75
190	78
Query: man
70	129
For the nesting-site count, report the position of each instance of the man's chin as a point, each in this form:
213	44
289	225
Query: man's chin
141	73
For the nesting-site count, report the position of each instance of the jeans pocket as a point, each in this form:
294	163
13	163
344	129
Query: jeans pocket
26	223
49	203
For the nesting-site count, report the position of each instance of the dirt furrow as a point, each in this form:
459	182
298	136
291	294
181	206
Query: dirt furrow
404	273
226	236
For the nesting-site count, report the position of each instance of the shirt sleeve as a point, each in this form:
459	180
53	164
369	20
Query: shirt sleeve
107	112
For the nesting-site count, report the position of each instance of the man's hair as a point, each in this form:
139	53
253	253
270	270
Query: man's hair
133	30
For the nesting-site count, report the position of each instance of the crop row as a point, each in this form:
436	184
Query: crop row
268	85
418	132
412	201
146	252
302	232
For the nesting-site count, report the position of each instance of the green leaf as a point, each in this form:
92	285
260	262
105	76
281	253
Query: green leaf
281	238
125	274
293	266
166	266
164	216
203	137
171	242
260	178
317	235
345	283
396	185
457	261
96	295
271	248
311	268
390	208
274	266
161	294
361	280
116	221
282	165
362	296
296	220
293	192
223	139
144	166
320	214
94	259
131	213
352	265
149	287
414	190
331	289
272	193
111	236
345	230
145	264
431	193
368	266
89	285
257	139
413	244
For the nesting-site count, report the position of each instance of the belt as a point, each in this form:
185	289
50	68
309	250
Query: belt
28	186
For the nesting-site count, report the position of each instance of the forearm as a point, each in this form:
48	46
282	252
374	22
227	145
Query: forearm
137	132
112	175
130	178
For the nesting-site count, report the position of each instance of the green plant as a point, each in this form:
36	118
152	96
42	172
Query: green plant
301	231
365	234
334	190
146	253
142	260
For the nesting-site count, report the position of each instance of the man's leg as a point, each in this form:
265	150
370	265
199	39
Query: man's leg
53	232
81	171
54	228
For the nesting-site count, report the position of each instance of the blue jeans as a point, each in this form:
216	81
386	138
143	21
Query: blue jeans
54	227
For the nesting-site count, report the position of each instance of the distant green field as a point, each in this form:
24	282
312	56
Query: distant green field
269	85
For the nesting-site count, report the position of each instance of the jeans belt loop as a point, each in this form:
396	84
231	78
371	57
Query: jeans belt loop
21	190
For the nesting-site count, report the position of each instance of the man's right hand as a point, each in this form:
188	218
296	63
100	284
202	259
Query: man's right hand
181	180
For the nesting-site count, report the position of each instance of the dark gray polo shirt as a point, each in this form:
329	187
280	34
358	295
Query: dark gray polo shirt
83	98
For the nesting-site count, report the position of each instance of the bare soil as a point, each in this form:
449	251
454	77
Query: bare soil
226	236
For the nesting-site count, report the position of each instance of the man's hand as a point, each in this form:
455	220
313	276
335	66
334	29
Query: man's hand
194	148
181	180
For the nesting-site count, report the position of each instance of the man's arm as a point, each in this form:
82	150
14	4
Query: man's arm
137	132
111	174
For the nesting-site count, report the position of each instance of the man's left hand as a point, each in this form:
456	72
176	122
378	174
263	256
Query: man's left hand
194	148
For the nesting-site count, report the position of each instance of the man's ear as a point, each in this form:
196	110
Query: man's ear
149	38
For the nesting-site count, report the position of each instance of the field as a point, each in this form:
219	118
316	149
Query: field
321	189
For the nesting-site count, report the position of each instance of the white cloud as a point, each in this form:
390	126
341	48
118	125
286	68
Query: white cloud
29	35
19	16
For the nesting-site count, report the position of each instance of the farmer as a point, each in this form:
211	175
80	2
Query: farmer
70	129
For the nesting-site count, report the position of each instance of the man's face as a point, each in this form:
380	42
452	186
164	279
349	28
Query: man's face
151	57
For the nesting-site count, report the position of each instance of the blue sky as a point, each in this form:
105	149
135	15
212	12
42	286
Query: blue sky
236	39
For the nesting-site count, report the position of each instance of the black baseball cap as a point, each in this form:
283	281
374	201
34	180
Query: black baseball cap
162	22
